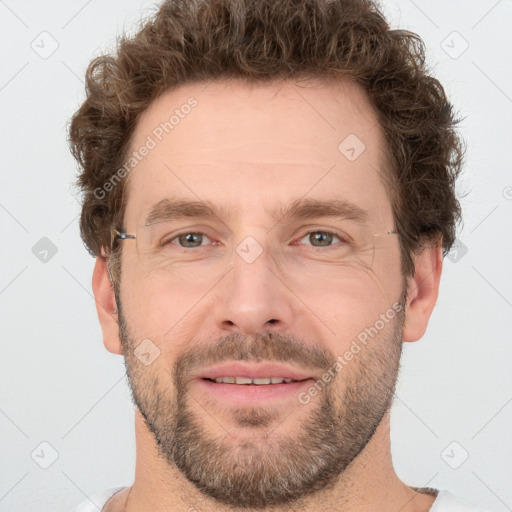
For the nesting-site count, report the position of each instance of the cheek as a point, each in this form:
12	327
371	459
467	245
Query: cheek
344	309
354	287
163	311
344	301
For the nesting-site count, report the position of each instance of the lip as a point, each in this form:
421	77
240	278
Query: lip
253	371
250	394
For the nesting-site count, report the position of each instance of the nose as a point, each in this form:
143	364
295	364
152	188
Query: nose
253	297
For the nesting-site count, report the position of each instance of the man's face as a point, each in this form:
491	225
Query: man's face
278	296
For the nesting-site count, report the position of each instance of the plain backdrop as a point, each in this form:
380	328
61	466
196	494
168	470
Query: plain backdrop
66	417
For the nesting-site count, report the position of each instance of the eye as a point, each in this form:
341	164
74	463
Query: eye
189	240
322	238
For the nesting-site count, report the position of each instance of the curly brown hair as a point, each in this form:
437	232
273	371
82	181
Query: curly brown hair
267	40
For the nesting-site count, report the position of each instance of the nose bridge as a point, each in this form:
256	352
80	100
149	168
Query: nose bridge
253	297
253	263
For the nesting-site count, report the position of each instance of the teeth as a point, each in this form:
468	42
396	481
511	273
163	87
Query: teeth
261	381
242	380
258	382
227	380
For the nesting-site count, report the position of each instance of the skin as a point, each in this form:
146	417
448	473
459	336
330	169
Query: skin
251	148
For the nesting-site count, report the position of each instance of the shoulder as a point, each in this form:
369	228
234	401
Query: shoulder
447	502
96	502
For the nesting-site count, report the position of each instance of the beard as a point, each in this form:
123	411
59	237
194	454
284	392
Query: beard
269	467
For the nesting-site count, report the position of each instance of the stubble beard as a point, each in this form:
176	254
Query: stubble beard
271	467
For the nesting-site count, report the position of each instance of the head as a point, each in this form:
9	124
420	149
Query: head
321	159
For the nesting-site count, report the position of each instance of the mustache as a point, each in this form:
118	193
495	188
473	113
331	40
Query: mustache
267	346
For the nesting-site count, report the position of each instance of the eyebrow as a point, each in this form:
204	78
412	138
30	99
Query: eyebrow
299	209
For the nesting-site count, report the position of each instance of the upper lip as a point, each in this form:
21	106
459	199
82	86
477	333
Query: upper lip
252	371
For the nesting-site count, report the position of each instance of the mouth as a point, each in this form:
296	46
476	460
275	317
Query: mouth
244	381
250	384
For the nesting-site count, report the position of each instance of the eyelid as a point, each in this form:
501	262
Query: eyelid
187	232
343	239
315	228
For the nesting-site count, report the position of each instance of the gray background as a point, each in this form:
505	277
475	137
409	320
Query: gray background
452	416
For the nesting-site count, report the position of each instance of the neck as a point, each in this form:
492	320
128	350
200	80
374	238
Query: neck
369	483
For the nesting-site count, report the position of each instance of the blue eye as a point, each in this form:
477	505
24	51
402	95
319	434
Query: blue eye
323	238
189	240
192	240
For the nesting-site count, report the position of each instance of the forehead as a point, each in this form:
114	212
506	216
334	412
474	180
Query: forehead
250	145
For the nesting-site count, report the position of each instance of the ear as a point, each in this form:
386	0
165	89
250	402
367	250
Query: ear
106	306
422	291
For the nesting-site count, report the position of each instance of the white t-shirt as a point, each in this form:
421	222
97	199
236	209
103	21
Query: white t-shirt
445	502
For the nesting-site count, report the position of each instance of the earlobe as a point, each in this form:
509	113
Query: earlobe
106	306
422	291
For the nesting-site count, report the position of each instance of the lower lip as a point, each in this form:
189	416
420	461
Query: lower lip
252	393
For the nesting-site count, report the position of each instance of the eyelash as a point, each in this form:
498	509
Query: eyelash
341	239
